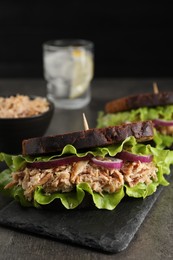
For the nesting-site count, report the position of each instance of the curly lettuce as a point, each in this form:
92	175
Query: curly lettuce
162	158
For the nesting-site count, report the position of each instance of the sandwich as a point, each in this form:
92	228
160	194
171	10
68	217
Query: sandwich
156	106
102	164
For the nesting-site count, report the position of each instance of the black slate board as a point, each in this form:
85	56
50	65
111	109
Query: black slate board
102	230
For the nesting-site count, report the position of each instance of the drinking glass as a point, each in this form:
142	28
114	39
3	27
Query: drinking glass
68	70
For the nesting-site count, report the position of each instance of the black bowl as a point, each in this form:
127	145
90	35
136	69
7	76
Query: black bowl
14	130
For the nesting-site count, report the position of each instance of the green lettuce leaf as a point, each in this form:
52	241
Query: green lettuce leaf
73	199
162	141
141	190
144	113
140	114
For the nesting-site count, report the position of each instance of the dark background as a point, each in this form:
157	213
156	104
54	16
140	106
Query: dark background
132	39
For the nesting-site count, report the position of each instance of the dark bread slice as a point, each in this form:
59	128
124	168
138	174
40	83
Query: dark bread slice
137	101
96	137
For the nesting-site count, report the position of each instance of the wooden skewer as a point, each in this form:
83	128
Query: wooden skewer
86	127
155	88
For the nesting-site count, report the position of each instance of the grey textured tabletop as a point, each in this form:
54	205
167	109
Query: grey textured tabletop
153	240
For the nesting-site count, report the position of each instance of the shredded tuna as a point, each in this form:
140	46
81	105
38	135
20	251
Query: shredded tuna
20	106
10	185
165	130
100	179
64	178
138	172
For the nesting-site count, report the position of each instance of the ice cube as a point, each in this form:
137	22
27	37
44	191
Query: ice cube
58	64
60	87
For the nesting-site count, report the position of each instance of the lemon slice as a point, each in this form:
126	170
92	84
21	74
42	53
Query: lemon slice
82	72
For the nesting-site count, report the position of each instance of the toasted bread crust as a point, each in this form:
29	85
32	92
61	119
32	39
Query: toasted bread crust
96	137
137	101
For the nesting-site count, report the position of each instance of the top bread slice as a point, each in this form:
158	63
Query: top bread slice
140	100
82	140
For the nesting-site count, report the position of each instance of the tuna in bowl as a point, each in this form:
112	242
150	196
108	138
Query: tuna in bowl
23	117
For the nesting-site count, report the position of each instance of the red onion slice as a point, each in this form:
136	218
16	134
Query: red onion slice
108	162
161	122
127	156
58	162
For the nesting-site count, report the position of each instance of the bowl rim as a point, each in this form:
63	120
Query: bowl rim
51	109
